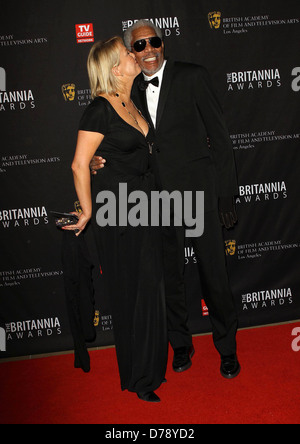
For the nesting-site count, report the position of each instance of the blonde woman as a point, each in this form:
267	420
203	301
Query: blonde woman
130	256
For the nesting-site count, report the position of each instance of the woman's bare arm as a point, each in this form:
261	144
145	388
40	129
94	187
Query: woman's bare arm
87	144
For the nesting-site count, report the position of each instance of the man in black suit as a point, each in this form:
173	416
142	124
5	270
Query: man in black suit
178	101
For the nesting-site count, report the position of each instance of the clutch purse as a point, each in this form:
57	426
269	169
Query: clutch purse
64	219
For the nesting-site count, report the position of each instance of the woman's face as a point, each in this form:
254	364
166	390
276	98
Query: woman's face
128	66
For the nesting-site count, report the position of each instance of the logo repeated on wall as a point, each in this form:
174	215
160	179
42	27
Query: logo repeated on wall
10	40
242	25
214	19
69	92
19	100
257	250
105	321
189	255
23	217
262	192
19	277
253	139
85	33
169	25
10	162
32	329
230	247
205	311
80	96
253	79
278	297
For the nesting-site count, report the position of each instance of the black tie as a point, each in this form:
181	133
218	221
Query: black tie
143	84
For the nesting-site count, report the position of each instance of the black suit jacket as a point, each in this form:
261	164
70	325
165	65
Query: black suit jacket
188	113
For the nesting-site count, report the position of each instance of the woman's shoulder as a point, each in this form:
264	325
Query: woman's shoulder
99	104
96	116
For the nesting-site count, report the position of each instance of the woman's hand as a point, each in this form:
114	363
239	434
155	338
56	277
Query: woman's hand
80	226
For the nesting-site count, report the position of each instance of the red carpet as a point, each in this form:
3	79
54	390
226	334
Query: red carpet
50	391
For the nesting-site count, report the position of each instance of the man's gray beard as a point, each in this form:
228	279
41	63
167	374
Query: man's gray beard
151	74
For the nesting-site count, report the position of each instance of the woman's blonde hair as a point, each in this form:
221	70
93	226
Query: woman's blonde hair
103	57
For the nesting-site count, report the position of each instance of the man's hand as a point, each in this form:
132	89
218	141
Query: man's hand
227	212
96	164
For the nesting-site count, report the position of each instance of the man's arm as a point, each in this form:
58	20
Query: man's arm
220	146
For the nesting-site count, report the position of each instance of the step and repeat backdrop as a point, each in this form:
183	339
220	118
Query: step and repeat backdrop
252	52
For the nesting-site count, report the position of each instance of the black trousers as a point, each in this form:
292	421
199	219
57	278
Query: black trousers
79	292
210	254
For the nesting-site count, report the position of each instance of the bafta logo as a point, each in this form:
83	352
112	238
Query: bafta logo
97	318
214	19
77	207
230	247
69	92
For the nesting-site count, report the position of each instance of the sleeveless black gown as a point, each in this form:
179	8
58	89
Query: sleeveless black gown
131	257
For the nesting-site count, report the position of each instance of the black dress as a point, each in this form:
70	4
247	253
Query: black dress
131	257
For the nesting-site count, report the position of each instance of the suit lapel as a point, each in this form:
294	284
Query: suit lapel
165	88
140	96
140	99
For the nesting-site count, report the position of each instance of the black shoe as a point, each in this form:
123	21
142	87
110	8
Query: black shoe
183	358
148	397
230	367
